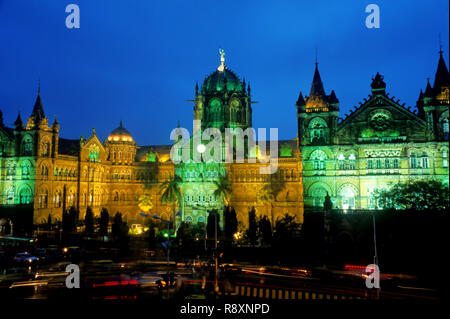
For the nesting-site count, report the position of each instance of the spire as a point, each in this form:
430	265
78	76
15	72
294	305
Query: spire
300	100
55	124
121	126
317	86
196	88
38	109
332	98
420	95
441	76
419	105
428	89
243	85
18	123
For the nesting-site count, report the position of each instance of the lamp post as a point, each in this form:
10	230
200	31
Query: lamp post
168	233
375	248
216	287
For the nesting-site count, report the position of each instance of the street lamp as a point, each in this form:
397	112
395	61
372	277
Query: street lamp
168	233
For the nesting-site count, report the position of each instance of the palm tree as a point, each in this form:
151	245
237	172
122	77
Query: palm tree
269	193
223	189
170	192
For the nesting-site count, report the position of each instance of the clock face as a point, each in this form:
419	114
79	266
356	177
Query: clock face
380	121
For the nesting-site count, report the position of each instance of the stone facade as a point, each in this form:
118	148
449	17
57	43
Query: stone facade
380	142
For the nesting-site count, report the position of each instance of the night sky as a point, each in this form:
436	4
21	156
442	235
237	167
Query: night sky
139	60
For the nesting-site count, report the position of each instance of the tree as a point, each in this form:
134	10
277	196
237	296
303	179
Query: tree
268	194
213	217
265	230
223	189
104	221
415	195
70	219
252	227
89	220
231	223
285	229
116	226
170	192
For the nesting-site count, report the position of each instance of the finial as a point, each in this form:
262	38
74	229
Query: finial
440	45
93	131
316	63
120	124
196	88
39	86
221	67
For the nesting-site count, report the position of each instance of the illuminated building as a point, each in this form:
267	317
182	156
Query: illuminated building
54	173
379	143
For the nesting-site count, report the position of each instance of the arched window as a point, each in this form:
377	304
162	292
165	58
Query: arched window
10	170
317	130
396	163
445	128
26	170
413	160
319	159
45	148
201	219
318	194
444	158
352	161
341	161
216	111
378	163
43	198
443	120
57	199
94	153
348	195
27	146
25	195
424	162
10	195
188	219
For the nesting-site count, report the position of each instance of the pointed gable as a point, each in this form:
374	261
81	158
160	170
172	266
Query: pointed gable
381	119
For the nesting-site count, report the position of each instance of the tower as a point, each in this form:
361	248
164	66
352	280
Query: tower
317	114
223	101
433	104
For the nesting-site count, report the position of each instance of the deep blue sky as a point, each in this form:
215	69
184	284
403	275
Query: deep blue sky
139	60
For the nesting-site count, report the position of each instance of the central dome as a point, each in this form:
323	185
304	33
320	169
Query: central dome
120	134
220	81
